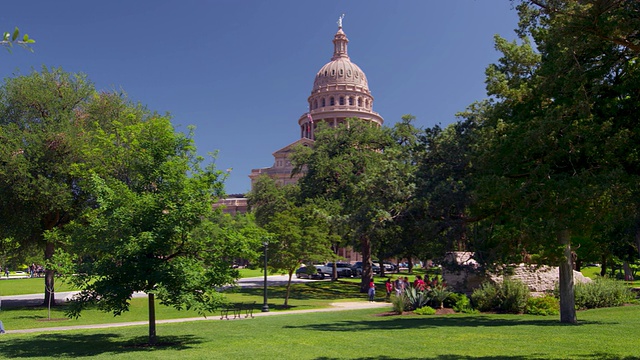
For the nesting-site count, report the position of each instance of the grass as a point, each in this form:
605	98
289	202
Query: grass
249	273
13	286
304	296
361	334
29	286
593	272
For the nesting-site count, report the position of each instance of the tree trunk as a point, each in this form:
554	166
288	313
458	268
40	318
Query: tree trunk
603	266
367	270
49	278
567	297
638	240
152	320
286	296
410	264
628	273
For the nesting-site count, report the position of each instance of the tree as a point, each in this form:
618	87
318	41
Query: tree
297	233
41	145
441	207
561	131
149	229
356	166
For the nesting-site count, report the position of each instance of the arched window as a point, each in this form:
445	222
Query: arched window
341	100
359	102
332	101
315	104
350	100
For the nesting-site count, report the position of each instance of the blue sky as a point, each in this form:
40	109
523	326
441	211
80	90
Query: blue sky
241	71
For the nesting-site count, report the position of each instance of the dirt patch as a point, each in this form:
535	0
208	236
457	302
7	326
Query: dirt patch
445	311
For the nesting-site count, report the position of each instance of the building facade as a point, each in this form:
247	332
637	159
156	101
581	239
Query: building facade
340	92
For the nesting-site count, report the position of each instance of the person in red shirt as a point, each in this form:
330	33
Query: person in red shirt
372	290
389	287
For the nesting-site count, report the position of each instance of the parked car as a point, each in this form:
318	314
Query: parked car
344	269
309	273
389	266
356	268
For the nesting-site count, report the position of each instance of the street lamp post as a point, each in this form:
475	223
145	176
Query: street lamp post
265	305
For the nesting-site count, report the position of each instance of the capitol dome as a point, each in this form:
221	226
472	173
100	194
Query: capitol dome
340	91
340	72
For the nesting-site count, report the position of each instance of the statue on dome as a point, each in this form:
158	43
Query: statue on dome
340	20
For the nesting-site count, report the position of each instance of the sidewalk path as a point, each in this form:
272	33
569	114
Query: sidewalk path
338	306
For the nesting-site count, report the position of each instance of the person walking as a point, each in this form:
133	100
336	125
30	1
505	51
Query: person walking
389	287
372	290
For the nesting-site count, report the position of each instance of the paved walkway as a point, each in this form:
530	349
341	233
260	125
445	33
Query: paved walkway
249	282
340	306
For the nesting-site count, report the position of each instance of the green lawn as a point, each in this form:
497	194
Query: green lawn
363	334
304	296
29	286
36	285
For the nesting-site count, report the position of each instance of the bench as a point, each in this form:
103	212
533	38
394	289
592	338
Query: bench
237	309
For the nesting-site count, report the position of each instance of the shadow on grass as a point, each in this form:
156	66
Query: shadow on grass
598	356
423	322
75	345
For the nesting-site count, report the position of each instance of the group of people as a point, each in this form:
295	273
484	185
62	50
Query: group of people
36	270
401	284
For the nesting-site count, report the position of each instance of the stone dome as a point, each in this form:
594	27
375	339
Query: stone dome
340	72
340	92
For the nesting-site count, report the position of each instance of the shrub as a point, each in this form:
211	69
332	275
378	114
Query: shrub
416	298
458	302
437	294
399	304
426	310
546	305
515	293
485	298
602	292
508	296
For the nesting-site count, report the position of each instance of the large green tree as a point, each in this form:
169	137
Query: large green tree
41	146
149	227
561	131
356	165
298	233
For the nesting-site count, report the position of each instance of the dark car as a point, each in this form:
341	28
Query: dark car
389	266
356	268
309	273
344	269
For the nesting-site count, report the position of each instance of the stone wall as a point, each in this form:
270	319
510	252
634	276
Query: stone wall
462	274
